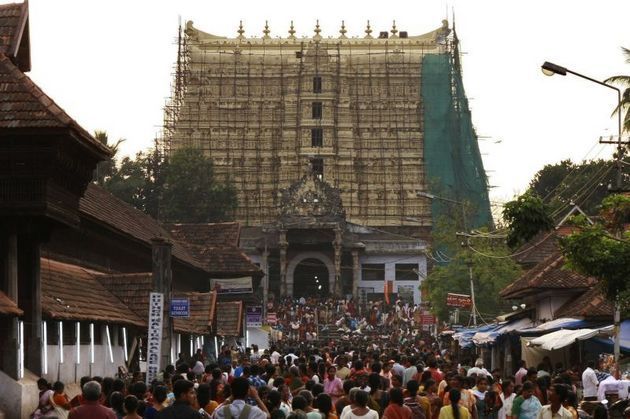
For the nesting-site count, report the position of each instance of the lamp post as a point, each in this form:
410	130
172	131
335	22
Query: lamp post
469	263
549	69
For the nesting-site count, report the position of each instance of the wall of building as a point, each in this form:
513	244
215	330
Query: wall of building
547	306
70	371
18	399
248	106
390	262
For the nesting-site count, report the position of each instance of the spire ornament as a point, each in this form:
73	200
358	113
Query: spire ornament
343	30
240	30
368	31
317	36
394	31
292	31
266	31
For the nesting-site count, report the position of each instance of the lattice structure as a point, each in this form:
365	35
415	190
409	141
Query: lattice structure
266	109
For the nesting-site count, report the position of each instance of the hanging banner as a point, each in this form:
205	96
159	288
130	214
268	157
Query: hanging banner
388	289
154	335
254	316
232	285
458	300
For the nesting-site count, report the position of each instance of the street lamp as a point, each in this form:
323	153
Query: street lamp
549	69
422	194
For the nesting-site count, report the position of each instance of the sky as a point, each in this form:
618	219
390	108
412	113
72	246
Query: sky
109	64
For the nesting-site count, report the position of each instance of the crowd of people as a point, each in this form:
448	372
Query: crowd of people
338	380
310	319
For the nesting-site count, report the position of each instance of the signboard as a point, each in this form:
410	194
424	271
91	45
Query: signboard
427	318
154	335
180	307
254	316
458	300
232	285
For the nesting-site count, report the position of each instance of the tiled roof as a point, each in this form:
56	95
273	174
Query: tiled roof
70	292
8	306
216	246
215	234
224	260
230	320
537	248
134	289
24	105
11	22
593	303
104	207
548	274
202	312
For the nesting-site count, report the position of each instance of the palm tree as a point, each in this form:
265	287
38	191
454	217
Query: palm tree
623	82
105	168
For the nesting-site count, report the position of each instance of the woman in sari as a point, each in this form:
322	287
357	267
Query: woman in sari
45	396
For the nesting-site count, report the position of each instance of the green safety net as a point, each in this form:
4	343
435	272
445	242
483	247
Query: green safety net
453	164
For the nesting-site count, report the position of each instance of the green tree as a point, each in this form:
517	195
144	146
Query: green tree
602	249
563	184
106	168
492	271
525	217
128	181
624	82
191	192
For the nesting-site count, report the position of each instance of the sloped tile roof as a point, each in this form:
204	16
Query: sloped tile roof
216	246
230	319
548	274
8	306
537	248
24	105
593	303
134	289
104	207
202	312
202	234
70	292
10	21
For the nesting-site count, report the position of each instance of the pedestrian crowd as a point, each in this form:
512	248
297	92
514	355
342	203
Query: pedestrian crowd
383	379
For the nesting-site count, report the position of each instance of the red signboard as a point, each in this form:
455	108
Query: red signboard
427	319
458	300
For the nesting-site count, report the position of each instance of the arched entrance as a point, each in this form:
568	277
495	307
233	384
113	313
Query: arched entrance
311	279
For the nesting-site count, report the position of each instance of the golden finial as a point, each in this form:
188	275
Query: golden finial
317	30
394	31
266	31
240	30
368	31
343	30
292	31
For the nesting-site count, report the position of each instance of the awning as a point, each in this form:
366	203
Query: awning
489	337
464	336
624	335
552	325
564	337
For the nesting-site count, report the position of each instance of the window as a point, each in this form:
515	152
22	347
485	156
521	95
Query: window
405	272
317	110
318	167
317	137
373	271
317	84
298	54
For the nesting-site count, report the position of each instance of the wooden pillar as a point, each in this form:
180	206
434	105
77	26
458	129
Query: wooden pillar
163	283
30	298
10	287
356	273
337	247
283	244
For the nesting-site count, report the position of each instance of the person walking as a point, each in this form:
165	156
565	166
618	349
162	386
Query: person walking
555	409
238	409
185	399
454	410
590	382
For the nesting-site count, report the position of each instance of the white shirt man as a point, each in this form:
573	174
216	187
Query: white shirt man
590	383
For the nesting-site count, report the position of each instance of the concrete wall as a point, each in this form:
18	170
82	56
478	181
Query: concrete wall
18	399
390	262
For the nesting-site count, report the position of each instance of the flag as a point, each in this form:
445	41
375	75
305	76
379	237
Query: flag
389	288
